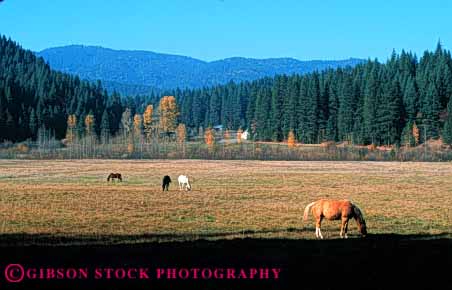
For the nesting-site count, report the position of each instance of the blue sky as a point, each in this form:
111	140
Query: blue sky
217	29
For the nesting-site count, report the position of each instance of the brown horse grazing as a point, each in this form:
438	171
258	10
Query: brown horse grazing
112	176
335	210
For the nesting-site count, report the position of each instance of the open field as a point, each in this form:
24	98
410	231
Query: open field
71	200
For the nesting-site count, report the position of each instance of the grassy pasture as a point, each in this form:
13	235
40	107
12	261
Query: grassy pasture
262	199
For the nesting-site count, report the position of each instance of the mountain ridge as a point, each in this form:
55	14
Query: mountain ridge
190	57
140	71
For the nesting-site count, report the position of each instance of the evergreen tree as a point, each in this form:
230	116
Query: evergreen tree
447	132
390	114
33	124
276	112
345	112
407	138
371	99
105	128
333	105
410	99
430	113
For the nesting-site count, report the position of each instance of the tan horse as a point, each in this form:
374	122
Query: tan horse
335	210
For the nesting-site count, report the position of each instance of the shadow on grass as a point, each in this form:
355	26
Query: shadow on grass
47	239
388	261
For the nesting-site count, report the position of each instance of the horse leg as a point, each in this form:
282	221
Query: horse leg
346	228
318	223
343	223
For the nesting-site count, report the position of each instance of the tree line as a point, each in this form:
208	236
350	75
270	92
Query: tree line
404	101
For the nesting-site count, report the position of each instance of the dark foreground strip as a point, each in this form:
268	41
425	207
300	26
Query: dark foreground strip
377	262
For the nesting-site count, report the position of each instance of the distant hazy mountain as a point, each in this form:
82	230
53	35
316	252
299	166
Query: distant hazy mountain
134	72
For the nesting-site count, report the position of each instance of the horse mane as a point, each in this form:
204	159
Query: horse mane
306	210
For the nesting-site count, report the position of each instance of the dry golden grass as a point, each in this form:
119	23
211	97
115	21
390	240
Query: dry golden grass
229	198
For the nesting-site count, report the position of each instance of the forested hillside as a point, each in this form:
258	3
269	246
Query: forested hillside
140	72
32	96
403	101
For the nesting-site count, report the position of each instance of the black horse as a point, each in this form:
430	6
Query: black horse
112	176
166	182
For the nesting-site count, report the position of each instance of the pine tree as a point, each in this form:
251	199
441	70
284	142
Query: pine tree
33	125
410	99
371	99
447	131
278	94
262	115
313	110
214	108
289	114
430	112
345	112
408	138
390	113
331	127
105	128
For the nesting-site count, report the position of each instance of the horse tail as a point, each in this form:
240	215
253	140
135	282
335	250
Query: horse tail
306	210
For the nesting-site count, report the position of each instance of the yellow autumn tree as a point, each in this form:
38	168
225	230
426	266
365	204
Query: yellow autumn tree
181	133
147	122
291	139
137	126
168	114
416	135
71	128
209	138
89	125
239	135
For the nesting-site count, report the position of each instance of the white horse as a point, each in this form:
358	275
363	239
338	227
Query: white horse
184	183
